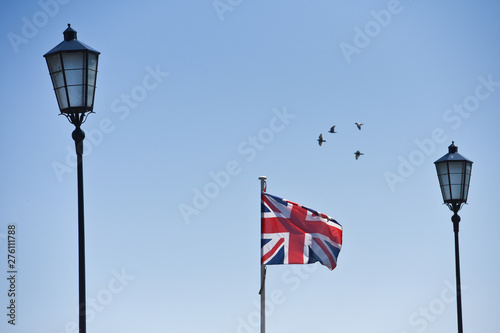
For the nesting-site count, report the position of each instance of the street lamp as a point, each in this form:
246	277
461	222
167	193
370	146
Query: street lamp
73	70
454	172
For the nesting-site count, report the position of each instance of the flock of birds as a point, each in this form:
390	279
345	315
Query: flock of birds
357	154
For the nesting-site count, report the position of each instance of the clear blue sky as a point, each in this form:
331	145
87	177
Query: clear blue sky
195	101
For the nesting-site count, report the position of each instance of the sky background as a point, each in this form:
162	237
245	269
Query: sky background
197	99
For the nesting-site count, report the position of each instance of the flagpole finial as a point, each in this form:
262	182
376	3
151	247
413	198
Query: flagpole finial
263	184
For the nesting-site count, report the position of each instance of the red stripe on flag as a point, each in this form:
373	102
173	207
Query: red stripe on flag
275	248
327	252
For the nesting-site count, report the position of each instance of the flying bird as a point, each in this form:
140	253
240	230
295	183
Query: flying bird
358	154
332	130
320	139
359	125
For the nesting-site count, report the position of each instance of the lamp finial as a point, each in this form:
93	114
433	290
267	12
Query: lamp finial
452	149
69	33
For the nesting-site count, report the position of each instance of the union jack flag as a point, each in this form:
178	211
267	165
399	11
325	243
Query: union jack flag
294	234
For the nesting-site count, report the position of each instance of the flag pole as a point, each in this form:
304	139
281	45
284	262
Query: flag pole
262	292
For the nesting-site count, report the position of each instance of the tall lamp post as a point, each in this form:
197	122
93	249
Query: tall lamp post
73	70
454	172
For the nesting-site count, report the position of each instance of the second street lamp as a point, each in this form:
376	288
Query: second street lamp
73	70
454	173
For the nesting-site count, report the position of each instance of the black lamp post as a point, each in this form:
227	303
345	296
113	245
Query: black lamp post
454	172
73	70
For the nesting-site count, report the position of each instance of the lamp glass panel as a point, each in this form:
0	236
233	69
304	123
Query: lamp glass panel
76	96
443	179
73	60
54	63
442	168
91	77
74	77
456	192
456	167
90	96
446	193
467	174
57	79
456	178
62	98
92	61
468	169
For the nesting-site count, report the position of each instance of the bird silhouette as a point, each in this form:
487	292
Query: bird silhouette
358	154
359	125
332	130
320	139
